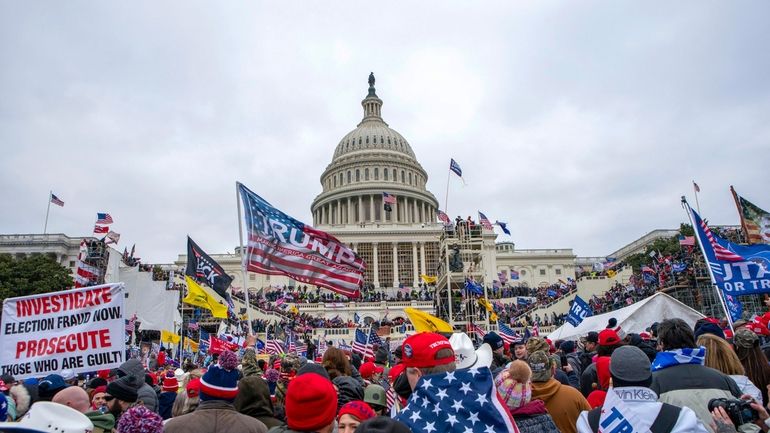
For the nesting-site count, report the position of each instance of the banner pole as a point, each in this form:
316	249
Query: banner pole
446	196
708	266
45	227
243	262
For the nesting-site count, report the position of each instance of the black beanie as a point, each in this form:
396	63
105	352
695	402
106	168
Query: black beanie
382	424
126	389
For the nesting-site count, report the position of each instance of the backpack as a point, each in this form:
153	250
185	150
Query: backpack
664	422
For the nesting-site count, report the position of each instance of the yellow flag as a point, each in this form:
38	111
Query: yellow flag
200	297
484	303
169	337
294	309
192	346
424	322
493	317
428	279
611	273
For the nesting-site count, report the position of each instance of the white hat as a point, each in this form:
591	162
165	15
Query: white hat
179	374
47	417
466	356
68	375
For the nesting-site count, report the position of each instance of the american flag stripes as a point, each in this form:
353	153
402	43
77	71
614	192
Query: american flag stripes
388	198
274	347
103	218
476	330
101	229
485	222
56	200
720	252
443	217
278	244
362	345
374	338
507	334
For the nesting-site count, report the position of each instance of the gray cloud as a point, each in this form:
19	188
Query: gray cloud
579	125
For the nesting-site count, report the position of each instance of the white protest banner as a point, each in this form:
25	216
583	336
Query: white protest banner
81	329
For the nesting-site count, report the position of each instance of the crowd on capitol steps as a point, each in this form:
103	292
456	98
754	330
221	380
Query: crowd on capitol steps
672	378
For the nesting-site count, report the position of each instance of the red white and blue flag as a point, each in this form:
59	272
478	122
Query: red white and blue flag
443	217
55	200
485	222
388	198
101	229
507	334
472	327
274	347
362	345
103	218
281	245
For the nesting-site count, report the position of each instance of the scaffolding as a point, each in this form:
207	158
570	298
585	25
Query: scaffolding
461	250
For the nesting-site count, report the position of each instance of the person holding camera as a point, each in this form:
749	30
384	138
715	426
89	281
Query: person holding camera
631	405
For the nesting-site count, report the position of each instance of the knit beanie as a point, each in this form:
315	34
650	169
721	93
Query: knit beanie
358	410
514	386
382	424
139	419
126	389
170	384
221	380
311	403
193	388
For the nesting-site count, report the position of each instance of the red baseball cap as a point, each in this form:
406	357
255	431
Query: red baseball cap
368	369
420	350
609	337
395	371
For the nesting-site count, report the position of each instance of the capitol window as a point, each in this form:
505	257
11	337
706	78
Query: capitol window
403	177
385	173
410	178
558	271
366	174
358	175
542	272
367	139
348	176
395	175
376	173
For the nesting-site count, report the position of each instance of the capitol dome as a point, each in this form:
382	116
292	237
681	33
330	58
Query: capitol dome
371	160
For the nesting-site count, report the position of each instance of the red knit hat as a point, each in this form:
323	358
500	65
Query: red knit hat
368	369
394	372
420	350
609	337
358	410
170	384
311	402
193	388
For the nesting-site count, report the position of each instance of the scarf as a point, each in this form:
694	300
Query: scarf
674	357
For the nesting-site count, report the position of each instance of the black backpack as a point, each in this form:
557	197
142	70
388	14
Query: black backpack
664	422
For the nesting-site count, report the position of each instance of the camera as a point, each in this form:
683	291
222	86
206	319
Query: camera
740	411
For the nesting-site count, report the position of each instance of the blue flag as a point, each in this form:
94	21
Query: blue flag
551	293
460	401
522	301
734	307
578	311
649	278
473	287
455	167
736	269
679	267
514	275
504	226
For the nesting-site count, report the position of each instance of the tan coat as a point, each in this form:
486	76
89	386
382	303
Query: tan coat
563	402
214	416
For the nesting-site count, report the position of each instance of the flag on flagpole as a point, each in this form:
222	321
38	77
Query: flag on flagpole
205	269
55	200
198	296
103	218
485	221
387	200
474	328
504	226
507	334
281	245
101	229
443	217
455	168
112	237
361	345
755	221
695	186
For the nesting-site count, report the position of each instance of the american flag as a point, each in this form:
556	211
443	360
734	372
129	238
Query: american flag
274	347
460	401
113	238
290	346
720	252
103	218
648	269
361	345
485	222
101	229
193	326
301	348
507	334
131	324
55	200
443	217
390	397
477	330
281	245
374	338
388	198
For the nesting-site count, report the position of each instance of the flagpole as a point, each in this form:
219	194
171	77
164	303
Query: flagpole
740	214
708	266
243	263
446	197
696	188
45	227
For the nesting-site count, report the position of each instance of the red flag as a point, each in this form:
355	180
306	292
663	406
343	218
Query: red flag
218	345
101	229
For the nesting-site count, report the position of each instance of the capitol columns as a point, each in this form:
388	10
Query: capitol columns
360	209
395	265
422	258
349	212
371	207
376	269
414	264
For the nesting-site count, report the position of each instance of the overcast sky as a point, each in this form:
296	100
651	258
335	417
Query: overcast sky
579	123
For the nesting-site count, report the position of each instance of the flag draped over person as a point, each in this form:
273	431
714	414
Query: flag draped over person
278	244
204	269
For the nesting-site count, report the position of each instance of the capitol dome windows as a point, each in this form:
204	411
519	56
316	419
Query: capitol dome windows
395	175
348	176
403	176
366	174
358	175
376	173
410	178
367	139
385	173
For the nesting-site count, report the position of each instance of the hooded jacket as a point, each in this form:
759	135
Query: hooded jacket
533	417
166	403
563	402
254	400
148	396
214	416
348	389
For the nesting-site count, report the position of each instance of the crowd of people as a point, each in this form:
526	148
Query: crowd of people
673	377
